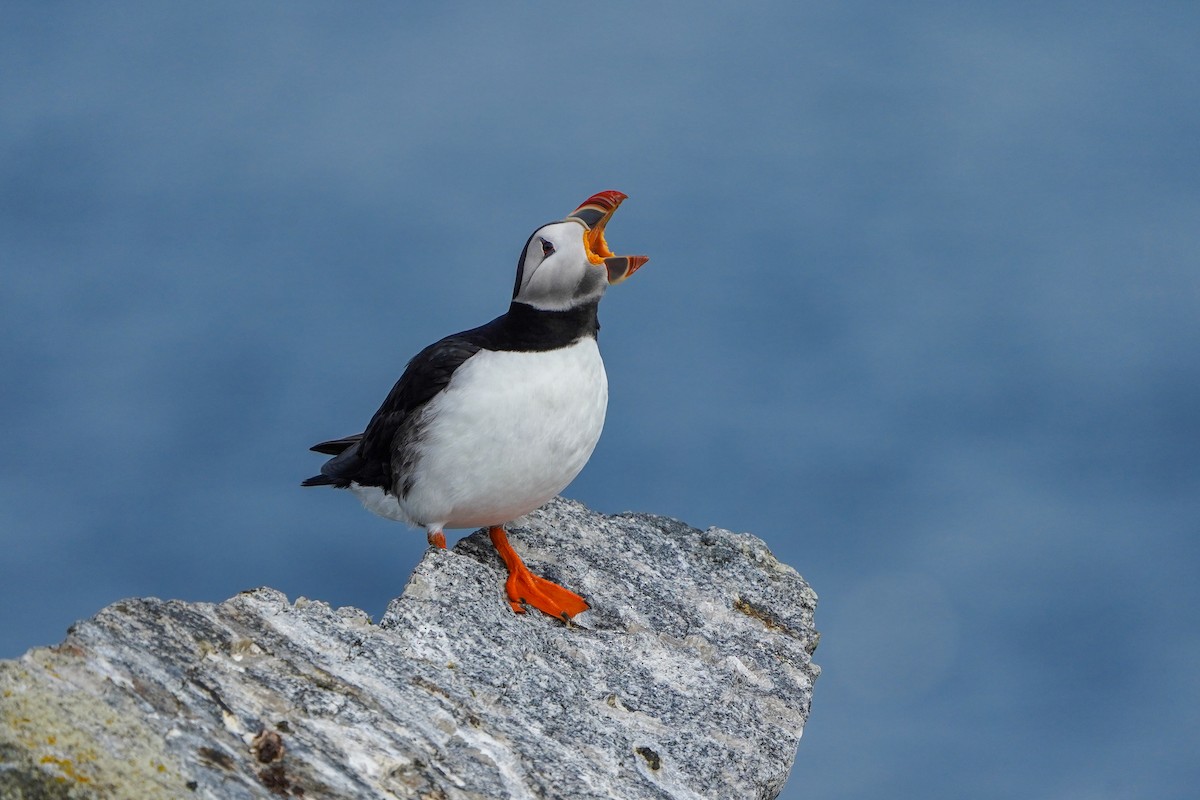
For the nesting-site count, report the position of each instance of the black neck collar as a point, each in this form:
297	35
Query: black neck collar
525	328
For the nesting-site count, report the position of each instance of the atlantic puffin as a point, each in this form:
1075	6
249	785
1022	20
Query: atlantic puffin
486	425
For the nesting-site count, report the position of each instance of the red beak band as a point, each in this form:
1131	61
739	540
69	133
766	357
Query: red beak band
598	207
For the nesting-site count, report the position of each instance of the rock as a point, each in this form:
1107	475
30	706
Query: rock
691	677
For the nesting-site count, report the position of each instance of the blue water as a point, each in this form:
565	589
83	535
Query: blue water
922	312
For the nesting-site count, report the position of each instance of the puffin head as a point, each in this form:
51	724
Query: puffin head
568	264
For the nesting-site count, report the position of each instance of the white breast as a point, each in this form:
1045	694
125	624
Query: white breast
508	434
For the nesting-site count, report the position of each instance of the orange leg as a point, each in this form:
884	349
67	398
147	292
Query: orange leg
525	587
436	539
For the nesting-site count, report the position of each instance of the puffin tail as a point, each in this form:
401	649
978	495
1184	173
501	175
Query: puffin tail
335	447
345	465
318	480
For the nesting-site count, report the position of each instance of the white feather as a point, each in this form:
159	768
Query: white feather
510	431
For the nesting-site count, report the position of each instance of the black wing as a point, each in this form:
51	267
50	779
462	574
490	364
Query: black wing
383	454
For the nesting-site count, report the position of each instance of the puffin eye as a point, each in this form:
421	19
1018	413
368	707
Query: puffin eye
547	248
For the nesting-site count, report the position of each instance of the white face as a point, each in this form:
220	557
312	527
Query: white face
555	272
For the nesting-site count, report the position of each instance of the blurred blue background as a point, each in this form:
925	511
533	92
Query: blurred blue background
922	312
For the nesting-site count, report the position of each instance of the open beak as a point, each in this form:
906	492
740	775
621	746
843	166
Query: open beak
595	213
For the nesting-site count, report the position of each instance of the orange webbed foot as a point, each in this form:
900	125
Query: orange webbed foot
525	588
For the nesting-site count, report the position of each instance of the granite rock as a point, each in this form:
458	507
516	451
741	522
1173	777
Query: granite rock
691	677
